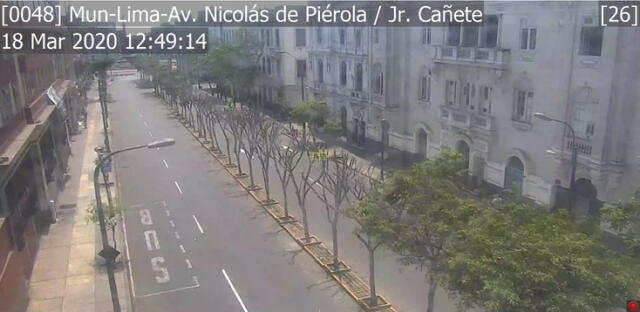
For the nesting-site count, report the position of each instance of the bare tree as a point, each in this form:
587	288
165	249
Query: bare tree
287	159
337	176
251	124
234	124
223	120
268	141
302	182
211	117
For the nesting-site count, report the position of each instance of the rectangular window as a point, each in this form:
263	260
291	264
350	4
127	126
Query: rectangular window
301	37
450	91
343	74
453	35
426	36
376	36
591	40
319	35
358	35
489	31
425	88
522	103
277	39
470	36
590	128
268	34
342	34
528	38
485	99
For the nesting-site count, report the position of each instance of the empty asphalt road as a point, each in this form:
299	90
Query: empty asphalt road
197	242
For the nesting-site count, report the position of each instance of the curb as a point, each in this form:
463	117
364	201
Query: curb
350	281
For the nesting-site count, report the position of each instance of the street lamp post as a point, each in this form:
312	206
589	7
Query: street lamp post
574	155
383	124
109	253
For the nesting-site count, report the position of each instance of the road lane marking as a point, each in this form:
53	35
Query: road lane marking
155	265
168	212
182	249
164	203
150	134
141	115
176	235
171	290
198	224
145	124
189	264
178	187
172	224
165	163
126	246
244	308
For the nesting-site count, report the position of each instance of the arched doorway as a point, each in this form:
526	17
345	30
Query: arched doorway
514	175
586	203
421	144
463	148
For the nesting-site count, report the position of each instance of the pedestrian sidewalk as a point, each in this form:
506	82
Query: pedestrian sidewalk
68	274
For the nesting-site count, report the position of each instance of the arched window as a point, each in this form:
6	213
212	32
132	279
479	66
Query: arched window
379	79
358	78
343	73
514	175
320	71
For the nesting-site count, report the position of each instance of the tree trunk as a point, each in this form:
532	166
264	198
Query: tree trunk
253	184
334	234
265	176
431	293
305	221
373	296
286	201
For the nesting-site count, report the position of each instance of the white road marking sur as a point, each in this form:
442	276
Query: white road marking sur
165	163
189	264
182	249
176	235
177	186
150	134
151	238
141	115
145	124
168	212
145	217
198	224
244	308
164	204
242	151
172	224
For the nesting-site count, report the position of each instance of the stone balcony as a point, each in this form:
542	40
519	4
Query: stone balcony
483	57
466	119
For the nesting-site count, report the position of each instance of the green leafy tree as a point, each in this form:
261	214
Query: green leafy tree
513	255
624	218
311	112
112	214
433	209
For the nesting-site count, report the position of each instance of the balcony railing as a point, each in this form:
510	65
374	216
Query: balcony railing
466	119
497	58
582	147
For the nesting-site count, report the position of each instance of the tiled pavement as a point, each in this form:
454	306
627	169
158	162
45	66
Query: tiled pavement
68	275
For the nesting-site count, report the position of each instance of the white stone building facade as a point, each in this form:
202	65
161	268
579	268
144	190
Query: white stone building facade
476	89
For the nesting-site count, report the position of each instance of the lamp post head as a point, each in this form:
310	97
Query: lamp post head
551	152
161	143
541	116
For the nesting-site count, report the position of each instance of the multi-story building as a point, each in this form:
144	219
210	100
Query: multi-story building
35	121
476	89
284	65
